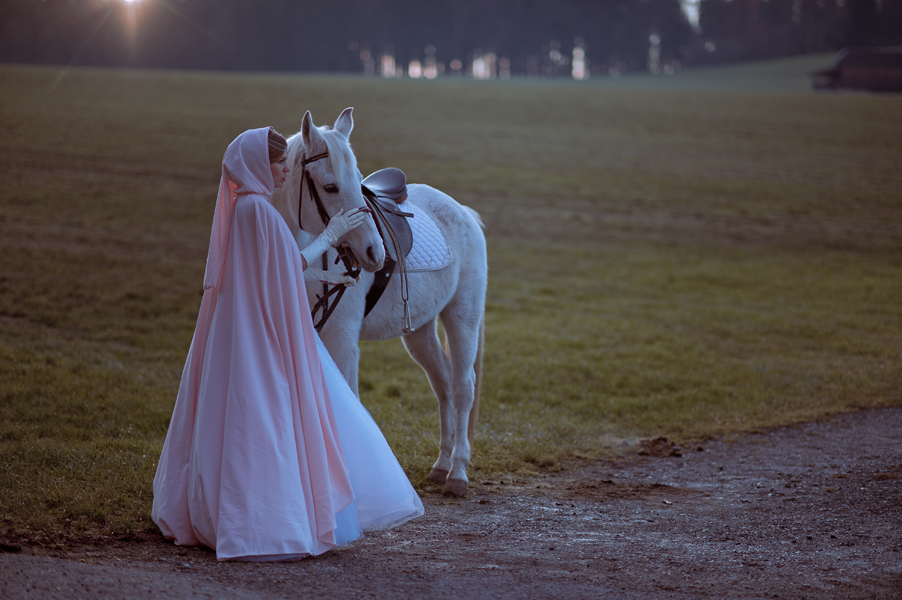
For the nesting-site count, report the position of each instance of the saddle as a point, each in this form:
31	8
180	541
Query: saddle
387	188
388	183
384	190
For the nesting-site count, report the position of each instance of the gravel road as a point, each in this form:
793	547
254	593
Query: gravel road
809	511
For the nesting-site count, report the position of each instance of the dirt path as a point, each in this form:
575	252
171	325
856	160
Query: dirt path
811	511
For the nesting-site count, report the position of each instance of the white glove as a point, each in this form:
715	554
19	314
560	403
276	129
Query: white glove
330	277
338	225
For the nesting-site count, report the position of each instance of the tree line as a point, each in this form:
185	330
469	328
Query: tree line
736	30
535	37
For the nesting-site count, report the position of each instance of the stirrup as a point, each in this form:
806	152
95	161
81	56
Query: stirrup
407	326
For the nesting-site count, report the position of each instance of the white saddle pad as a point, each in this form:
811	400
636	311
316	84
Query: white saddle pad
430	251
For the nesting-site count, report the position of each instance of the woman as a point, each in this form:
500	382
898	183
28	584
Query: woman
269	455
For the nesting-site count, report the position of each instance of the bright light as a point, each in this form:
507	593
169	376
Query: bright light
130	17
691	8
430	71
484	66
388	67
579	70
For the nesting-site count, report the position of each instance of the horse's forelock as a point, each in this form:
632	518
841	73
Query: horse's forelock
341	157
340	152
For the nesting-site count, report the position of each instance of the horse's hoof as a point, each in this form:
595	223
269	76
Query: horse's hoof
438	475
455	487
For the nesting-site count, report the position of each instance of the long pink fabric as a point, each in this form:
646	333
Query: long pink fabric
253	465
243	172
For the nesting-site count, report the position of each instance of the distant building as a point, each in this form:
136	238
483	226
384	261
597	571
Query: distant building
871	69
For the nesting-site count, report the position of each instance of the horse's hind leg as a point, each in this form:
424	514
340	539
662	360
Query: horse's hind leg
462	327
425	348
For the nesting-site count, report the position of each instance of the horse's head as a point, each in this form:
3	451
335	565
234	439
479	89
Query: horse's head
335	178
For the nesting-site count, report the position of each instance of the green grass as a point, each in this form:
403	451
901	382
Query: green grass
686	256
782	75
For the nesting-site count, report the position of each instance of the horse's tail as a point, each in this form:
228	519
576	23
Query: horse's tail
475	216
477	365
477	368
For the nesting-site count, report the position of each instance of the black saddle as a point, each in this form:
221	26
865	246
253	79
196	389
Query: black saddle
388	183
388	188
384	190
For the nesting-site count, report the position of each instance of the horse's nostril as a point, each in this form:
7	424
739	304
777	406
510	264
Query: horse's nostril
370	254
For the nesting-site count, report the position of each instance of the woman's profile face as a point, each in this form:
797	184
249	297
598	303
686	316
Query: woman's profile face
280	170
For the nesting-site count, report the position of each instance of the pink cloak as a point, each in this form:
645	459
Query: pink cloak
269	455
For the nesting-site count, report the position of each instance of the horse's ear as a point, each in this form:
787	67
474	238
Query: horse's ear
309	133
345	122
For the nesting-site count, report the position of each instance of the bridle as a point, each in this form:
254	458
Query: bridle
344	253
325	302
305	178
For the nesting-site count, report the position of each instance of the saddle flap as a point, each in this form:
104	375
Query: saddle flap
388	183
397	220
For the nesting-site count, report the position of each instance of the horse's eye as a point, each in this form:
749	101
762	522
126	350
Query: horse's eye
331	188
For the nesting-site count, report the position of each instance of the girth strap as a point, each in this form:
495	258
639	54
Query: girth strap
381	281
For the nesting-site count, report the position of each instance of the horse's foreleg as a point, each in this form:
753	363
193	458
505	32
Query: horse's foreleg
424	347
341	340
350	367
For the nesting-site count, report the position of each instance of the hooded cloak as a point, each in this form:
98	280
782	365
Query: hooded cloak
268	447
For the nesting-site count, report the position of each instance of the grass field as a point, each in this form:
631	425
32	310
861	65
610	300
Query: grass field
710	253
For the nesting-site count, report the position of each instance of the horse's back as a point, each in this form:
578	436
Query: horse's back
454	218
464	280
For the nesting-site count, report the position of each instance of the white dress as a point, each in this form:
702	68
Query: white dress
269	454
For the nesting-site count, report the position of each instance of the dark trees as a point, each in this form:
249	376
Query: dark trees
536	36
306	35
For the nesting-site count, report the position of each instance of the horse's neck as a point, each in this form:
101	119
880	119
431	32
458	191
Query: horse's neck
304	238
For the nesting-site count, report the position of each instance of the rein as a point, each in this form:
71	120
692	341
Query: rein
323	301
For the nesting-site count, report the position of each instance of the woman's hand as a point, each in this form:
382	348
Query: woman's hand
338	225
330	277
342	223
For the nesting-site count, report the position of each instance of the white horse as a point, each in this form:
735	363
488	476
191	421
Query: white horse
455	294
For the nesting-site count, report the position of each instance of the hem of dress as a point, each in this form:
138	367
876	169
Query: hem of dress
265	557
